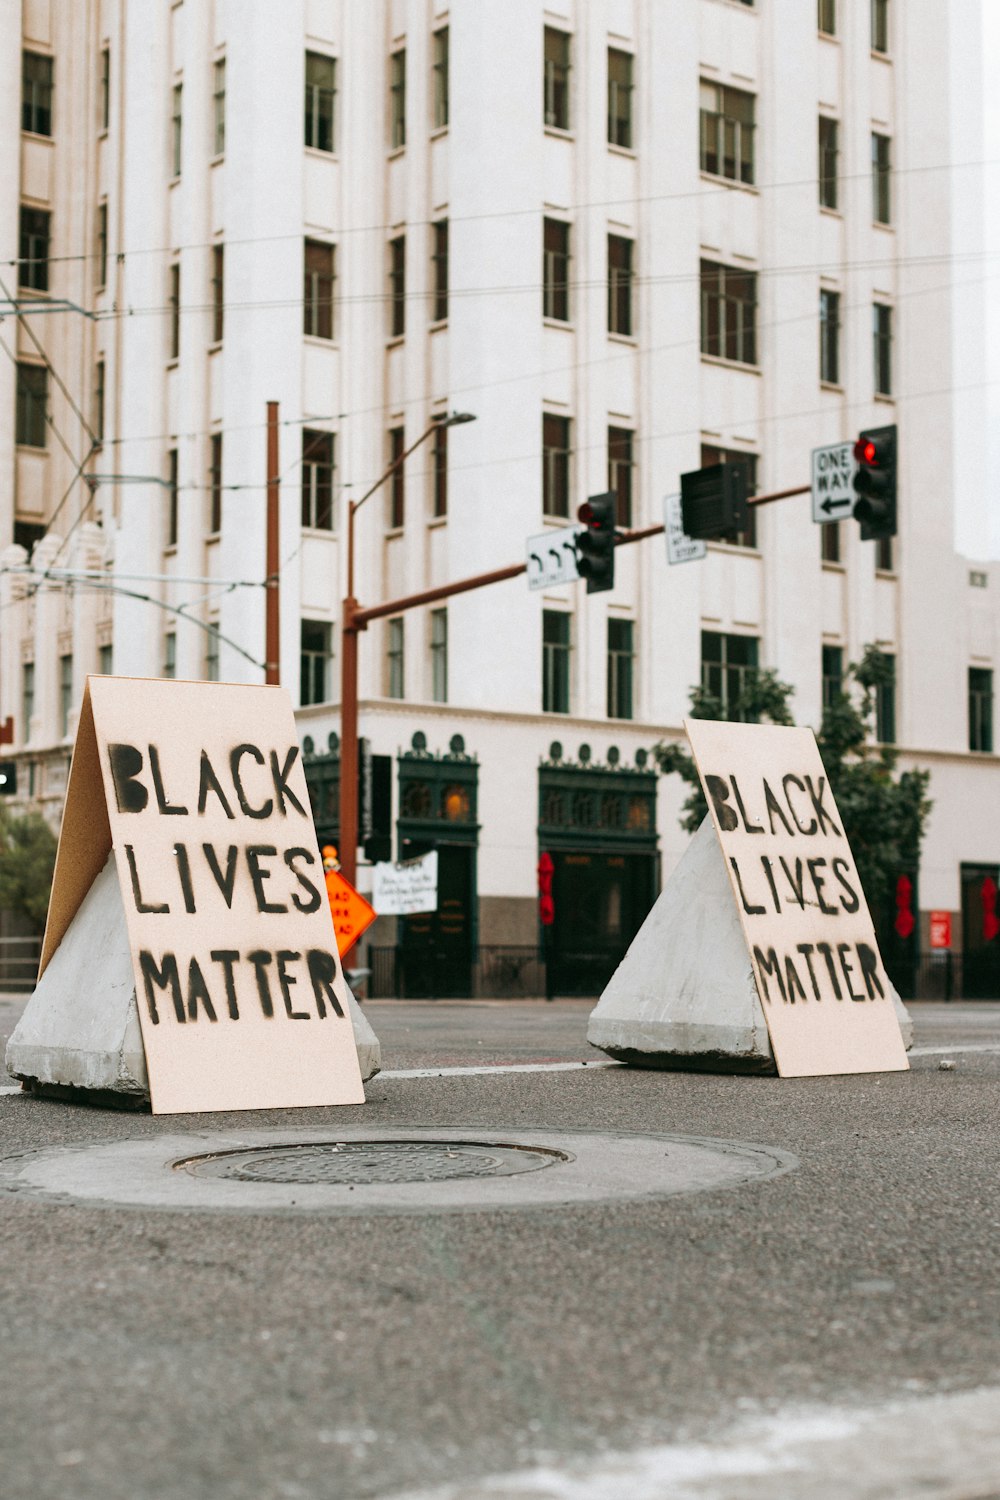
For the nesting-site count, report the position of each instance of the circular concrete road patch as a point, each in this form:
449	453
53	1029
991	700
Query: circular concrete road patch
367	1171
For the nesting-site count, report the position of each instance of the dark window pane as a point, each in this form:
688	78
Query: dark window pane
397	484
36	93
555	465
397	98
829	150
30	427
318	290
981	709
441	81
555	269
620	97
33	264
397	287
557	66
620	472
317	480
320	98
620	283
440	265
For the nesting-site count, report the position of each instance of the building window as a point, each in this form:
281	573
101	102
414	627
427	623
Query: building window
728	312
440	470
880	25
314	662
215	484
219	106
621	659
881	179
397	484
104	90
439	655
711	455
27	696
36	93
320	101
28	534
829	542
32	406
883	554
981	709
218	291
174	312
212	652
99	401
727	130
102	245
828	17
829	152
105	660
621	277
439	258
620	86
397	98
172	508
440	67
728	665
170	655
65	693
621	464
555	661
557	65
829	337
555	270
833	672
33	264
555	465
317	293
397	287
318	474
885	702
176	122
882	331
395	674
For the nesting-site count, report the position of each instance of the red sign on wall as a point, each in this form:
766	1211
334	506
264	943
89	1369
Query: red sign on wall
940	929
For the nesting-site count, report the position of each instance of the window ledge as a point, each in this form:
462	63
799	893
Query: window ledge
319	531
734	547
30	447
828	36
885	398
730	364
630	339
320	154
884	57
550	520
437	324
887	228
564	323
217	160
832	386
391	532
213	537
889	573
437	131
33	135
173	362
832	567
558	133
102	134
395	151
628	152
215	347
395	341
170	550
318	341
831	213
731	182
434	522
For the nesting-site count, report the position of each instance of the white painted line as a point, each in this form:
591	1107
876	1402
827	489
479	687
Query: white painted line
961	1047
559	1067
11	1088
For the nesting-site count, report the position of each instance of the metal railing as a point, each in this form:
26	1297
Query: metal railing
19	963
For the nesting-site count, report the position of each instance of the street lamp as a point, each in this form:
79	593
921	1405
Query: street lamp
349	663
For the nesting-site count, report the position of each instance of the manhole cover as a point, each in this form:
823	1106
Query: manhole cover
372	1162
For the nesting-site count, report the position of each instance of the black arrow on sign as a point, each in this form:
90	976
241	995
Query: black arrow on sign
828	505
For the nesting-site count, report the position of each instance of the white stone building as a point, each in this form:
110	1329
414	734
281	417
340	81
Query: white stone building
629	237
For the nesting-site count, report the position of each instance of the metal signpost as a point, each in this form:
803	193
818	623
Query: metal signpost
552	558
833	471
681	548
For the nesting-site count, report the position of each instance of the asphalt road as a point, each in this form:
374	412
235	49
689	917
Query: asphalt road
701	1344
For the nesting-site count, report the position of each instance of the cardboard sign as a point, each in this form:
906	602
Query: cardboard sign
940	929
406	887
199	788
352	914
822	984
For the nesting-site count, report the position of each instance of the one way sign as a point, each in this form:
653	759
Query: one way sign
833	471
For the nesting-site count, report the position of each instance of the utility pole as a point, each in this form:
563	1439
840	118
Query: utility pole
272	629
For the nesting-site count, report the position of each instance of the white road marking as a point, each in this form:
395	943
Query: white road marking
961	1047
484	1068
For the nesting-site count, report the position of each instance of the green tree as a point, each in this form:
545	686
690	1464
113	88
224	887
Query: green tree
27	859
884	814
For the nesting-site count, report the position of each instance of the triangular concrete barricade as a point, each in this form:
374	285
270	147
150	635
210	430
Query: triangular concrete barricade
684	995
80	1029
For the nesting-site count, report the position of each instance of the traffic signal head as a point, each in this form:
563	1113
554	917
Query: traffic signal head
714	501
595	545
875	482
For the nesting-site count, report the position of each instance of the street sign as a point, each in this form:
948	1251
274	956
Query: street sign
407	887
681	548
352	914
552	558
940	929
833	471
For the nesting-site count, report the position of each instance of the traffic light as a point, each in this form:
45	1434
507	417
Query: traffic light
714	501
595	547
875	482
8	778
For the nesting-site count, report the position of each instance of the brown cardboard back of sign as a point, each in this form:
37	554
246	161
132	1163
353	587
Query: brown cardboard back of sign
84	837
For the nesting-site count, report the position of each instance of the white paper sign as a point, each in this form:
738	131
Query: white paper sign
680	547
405	888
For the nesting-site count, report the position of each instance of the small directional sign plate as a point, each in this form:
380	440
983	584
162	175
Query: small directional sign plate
833	471
552	558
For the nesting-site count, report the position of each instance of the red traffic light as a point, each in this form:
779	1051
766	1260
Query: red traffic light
865	451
